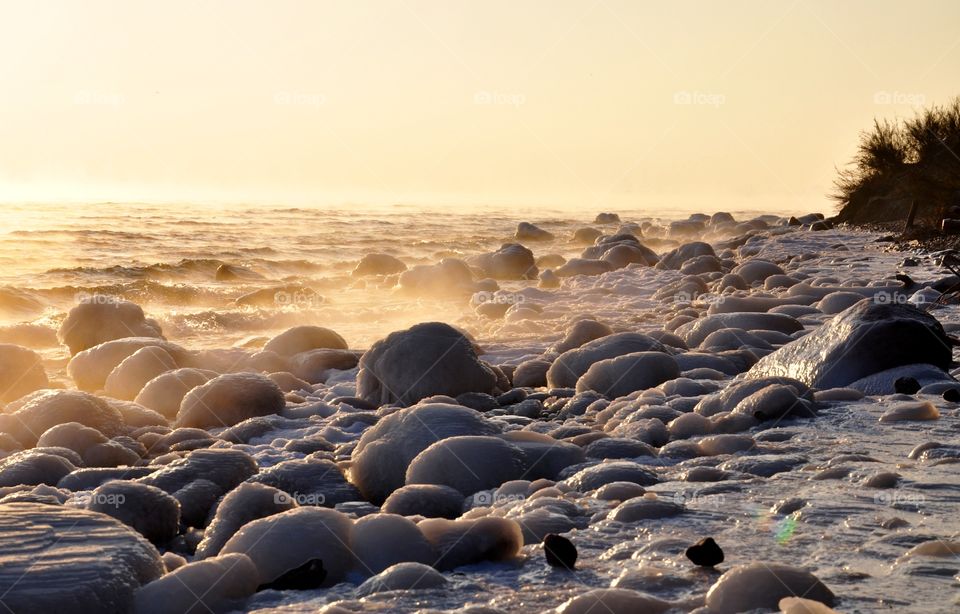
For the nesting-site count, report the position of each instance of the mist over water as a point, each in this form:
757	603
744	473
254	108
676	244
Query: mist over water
165	258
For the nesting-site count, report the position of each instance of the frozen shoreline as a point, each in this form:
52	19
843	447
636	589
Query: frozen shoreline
847	526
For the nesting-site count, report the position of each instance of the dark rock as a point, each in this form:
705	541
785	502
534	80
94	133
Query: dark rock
560	551
308	576
705	553
857	343
906	385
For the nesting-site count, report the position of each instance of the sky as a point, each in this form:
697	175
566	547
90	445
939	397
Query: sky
592	103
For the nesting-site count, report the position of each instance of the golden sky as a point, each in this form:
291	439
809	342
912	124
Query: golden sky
587	103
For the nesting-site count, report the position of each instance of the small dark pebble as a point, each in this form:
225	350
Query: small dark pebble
308	576
705	553
906	385
560	551
952	395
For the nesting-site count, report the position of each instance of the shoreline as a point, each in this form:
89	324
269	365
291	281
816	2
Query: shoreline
603	408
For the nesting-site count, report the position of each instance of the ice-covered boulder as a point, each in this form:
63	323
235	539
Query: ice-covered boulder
283	542
511	261
449	277
149	510
104	318
244	504
530	232
303	339
382	540
214	585
64	559
224	467
91	367
618	377
378	264
466	541
428	500
761	586
165	392
865	339
29	417
569	366
228	399
385	450
32	467
467	463
425	360
405	576
131	375
695	332
313	481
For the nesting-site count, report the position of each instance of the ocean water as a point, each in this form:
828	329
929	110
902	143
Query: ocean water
165	258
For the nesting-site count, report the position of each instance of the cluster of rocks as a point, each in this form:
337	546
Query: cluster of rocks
172	479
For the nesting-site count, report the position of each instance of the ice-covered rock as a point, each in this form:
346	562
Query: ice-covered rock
104	318
165	392
132	374
618	377
572	364
385	450
215	585
149	510
467	463
856	343
63	559
29	417
425	360
303	339
283	542
761	586
228	399
406	576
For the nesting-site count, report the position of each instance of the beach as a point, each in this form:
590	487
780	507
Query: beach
390	412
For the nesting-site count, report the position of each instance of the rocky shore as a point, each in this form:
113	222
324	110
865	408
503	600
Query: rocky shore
760	417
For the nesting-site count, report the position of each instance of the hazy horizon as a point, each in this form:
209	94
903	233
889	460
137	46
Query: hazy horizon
596	104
